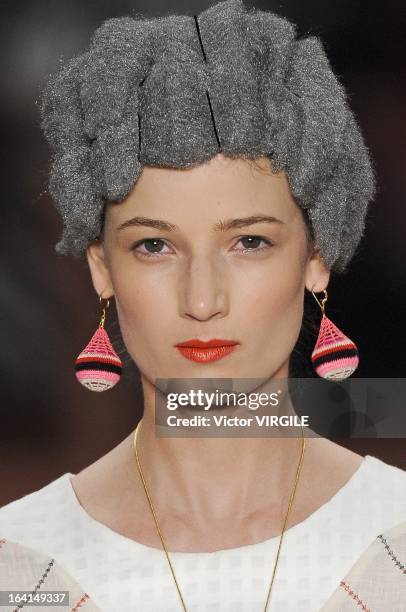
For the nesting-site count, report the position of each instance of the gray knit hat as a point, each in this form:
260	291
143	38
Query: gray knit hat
177	90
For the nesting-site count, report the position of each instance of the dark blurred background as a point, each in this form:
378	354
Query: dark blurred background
49	423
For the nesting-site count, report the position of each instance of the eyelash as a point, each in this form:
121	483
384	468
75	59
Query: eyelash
246	250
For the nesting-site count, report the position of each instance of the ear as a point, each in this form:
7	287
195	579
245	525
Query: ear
99	269
317	273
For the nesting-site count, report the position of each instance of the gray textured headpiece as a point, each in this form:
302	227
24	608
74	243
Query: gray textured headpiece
177	90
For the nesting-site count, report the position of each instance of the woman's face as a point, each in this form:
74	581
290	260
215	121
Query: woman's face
214	251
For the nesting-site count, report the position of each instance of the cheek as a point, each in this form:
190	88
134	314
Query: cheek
141	311
272	304
275	286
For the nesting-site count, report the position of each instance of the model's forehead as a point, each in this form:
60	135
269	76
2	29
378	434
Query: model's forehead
222	187
217	175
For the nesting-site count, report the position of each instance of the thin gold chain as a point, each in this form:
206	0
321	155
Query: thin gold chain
292	495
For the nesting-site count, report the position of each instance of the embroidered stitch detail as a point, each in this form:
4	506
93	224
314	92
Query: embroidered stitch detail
397	562
81	601
354	595
40	582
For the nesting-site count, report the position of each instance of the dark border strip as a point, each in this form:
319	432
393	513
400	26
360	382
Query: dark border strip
212	118
334	356
99	366
207	93
139	135
200	38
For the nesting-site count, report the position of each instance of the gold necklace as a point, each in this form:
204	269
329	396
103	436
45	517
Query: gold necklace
292	495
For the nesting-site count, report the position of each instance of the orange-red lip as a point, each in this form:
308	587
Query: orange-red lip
195	342
205	355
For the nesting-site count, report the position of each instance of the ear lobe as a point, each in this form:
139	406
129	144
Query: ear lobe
99	270
317	273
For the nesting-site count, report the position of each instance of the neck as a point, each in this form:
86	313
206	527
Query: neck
226	479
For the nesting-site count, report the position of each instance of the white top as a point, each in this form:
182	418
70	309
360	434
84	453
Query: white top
122	574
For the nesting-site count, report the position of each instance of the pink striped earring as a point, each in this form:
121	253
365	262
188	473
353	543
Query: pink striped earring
334	356
98	367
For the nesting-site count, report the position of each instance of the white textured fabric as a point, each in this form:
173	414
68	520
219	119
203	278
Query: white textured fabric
121	574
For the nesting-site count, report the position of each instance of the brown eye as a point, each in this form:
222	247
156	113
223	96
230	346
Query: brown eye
252	243
149	247
153	245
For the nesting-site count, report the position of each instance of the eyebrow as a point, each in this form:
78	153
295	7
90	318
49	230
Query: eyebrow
223	225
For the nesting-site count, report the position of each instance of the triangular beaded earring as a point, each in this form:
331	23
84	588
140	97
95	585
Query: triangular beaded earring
334	356
98	367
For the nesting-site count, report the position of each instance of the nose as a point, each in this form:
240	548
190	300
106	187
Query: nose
203	290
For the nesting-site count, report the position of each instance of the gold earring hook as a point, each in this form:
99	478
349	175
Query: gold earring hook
323	301
103	315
